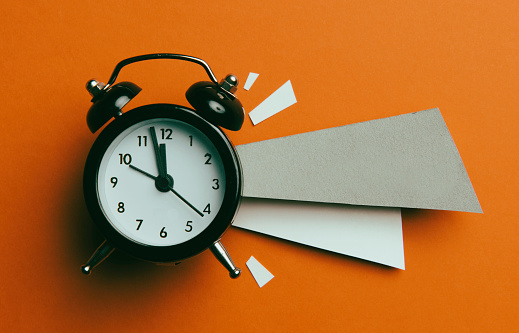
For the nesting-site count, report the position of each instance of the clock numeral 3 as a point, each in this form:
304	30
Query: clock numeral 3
216	184
163	233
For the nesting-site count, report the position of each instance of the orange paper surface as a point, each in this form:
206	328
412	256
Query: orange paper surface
348	62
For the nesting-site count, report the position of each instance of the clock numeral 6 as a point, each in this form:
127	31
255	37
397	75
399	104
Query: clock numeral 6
189	226
163	233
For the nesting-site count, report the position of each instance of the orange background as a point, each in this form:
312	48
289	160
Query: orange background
349	61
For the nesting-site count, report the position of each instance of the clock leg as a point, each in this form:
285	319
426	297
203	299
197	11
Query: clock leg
99	255
225	259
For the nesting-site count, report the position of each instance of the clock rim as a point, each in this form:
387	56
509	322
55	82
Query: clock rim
221	222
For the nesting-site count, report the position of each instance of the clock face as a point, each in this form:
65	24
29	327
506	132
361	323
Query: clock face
161	211
161	183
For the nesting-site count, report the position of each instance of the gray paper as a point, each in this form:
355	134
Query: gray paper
403	161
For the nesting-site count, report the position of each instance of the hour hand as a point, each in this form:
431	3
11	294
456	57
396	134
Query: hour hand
162	153
143	172
158	156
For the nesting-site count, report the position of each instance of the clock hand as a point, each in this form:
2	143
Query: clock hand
185	201
162	185
143	172
162	151
158	157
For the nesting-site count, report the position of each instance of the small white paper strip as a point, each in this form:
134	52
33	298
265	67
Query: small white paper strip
370	233
259	272
250	80
278	101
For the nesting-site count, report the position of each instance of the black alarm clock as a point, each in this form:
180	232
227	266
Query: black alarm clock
163	182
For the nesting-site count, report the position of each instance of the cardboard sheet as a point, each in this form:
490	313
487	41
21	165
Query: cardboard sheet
369	233
403	161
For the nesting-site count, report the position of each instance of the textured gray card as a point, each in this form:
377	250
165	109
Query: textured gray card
403	161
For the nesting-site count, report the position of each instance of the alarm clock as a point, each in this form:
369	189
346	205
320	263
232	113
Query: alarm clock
163	182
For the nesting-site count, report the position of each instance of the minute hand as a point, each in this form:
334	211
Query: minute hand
169	187
185	201
162	152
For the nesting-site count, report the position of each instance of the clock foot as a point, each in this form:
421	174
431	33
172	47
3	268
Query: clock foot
99	255
225	259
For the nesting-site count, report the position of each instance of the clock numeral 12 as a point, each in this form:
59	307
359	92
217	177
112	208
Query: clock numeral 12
166	133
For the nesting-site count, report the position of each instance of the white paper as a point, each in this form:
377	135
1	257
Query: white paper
250	80
370	233
278	101
259	272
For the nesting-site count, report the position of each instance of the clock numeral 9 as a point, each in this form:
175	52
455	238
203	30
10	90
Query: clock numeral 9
120	207
126	159
163	233
113	180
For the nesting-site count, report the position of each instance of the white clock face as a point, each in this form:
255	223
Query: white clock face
154	210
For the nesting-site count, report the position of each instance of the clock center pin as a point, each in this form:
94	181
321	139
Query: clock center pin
164	184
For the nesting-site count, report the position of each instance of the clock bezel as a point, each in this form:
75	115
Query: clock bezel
221	222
